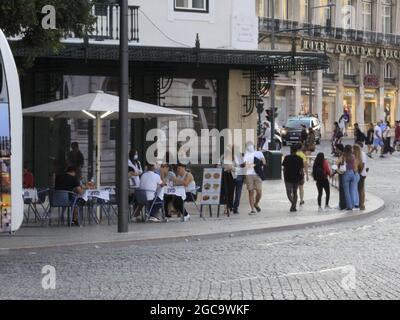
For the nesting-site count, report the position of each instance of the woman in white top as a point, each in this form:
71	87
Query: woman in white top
184	178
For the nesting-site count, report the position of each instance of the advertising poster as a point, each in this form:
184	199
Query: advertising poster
5	153
211	191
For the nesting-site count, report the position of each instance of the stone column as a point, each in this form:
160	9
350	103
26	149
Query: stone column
319	93
297	97
361	95
340	88
380	108
338	18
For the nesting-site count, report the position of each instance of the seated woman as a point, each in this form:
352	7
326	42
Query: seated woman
184	178
167	177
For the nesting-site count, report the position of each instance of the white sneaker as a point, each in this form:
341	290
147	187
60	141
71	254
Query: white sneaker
186	218
328	208
320	209
154	219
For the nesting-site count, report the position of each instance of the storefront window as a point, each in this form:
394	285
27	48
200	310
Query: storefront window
370	106
349	104
389	104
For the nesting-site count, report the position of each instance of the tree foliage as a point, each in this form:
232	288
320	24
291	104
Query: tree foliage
23	18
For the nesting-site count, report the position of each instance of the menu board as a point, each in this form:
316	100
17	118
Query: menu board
211	191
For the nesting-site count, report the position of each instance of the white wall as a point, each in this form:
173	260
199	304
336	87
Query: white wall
228	24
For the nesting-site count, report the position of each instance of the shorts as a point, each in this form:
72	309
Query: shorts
253	183
378	143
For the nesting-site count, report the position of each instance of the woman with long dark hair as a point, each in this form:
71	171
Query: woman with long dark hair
321	172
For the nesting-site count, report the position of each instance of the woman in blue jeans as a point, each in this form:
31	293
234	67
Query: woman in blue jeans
349	178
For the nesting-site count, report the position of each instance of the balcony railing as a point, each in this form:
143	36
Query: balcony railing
392	81
266	25
350	77
107	20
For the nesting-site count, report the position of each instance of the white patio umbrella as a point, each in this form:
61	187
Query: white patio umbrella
98	106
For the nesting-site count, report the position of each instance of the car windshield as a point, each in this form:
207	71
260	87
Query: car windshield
296	123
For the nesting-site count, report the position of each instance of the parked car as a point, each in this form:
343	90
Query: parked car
291	131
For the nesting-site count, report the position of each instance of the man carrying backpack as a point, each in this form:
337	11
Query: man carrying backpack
293	172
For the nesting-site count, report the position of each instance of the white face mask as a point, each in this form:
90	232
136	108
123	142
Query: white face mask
135	157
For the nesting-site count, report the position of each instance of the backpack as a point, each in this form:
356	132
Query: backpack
319	174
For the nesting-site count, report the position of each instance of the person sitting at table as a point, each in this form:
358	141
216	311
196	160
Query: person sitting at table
184	178
151	182
29	180
134	172
167	177
69	181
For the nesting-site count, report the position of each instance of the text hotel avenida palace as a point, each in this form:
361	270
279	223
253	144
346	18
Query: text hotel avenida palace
363	45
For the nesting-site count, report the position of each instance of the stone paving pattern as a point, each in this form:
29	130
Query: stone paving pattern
299	264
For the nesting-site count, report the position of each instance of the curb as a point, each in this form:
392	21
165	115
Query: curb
300	226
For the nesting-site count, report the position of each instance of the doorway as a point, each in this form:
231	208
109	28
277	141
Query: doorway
370	112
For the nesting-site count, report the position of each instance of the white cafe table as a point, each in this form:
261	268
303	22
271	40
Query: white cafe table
30	194
103	194
178	191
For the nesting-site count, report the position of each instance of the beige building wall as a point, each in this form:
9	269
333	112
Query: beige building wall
238	87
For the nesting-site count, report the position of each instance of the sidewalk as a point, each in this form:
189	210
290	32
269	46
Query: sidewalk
275	216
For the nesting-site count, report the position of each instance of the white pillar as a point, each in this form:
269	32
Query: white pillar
380	110
361	96
340	88
319	94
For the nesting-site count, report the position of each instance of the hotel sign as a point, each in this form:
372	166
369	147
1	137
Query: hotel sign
350	49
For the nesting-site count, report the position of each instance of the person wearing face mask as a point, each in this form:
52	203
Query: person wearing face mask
251	160
135	168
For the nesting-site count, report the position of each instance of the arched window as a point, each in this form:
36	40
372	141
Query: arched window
388	74
348	67
369	68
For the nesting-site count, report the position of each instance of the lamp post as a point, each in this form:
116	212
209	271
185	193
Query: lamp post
122	154
272	80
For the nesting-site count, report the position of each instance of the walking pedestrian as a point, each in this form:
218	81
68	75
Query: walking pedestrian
321	173
304	175
292	168
370	139
253	159
337	136
340	171
387	139
238	177
378	139
309	145
303	134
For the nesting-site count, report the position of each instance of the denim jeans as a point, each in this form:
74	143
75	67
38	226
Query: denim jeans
238	191
350	188
356	199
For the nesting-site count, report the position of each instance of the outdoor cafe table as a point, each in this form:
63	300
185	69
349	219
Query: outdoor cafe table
30	194
103	194
178	191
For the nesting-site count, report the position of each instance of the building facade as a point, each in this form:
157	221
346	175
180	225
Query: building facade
361	38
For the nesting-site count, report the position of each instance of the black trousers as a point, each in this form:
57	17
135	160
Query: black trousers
179	203
228	189
342	197
291	191
321	186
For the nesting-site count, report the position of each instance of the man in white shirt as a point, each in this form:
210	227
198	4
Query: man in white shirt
151	182
253	180
378	138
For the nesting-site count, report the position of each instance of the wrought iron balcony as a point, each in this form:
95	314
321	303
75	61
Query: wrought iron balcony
392	81
350	77
107	19
266	24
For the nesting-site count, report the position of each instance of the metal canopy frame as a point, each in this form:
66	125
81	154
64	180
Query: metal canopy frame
265	62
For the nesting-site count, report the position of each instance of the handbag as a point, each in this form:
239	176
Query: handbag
342	168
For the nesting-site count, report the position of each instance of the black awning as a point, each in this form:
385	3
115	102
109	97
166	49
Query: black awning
270	62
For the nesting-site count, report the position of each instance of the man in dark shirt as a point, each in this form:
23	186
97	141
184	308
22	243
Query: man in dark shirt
69	182
293	167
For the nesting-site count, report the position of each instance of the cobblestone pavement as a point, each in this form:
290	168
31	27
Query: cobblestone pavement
353	260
